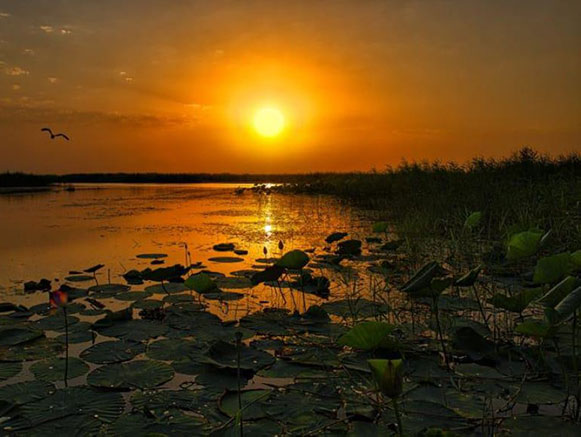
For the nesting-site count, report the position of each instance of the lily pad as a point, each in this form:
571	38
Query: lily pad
81	407
109	352
8	370
252	403
141	374
24	392
79	278
226	259
172	349
14	336
54	369
134	330
224	355
152	255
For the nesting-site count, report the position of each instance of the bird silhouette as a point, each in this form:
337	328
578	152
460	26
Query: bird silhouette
53	136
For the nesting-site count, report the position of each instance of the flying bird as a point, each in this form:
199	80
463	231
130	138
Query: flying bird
53	136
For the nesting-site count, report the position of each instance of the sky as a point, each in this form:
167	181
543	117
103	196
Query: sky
174	86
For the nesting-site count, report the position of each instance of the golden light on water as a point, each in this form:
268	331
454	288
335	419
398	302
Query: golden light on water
268	122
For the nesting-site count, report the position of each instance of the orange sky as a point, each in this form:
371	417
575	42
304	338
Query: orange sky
170	86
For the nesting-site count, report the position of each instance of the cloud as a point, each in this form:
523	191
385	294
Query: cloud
37	110
47	29
4	15
16	71
29	52
16	87
66	32
52	79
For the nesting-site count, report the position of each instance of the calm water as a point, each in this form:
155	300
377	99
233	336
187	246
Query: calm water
46	235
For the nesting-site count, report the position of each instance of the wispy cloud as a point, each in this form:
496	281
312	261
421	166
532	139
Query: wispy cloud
4	15
29	52
30	110
52	79
54	30
16	71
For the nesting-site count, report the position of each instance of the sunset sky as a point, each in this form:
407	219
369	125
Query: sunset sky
175	86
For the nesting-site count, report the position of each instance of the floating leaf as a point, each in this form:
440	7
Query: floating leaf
134	330
141	374
8	370
172	349
251	408
223	247
152	255
226	259
81	407
335	236
54	369
14	336
294	260
109	352
225	355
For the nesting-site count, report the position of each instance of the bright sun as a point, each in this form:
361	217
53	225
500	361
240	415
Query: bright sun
268	121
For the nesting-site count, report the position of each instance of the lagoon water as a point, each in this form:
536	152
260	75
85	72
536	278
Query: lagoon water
49	234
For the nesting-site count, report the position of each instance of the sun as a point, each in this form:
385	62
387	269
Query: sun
268	122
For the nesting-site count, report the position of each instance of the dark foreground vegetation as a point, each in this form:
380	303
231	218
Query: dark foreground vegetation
456	314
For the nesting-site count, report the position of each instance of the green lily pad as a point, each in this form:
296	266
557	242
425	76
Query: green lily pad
152	255
147	304
224	296
54	369
109	352
226	259
251	400
108	290
38	349
172	349
141	374
81	407
166	288
55	322
24	392
14	336
523	244
224	355
133	295
134	330
166	423
540	393
79	278
8	370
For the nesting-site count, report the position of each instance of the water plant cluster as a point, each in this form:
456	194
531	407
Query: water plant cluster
369	338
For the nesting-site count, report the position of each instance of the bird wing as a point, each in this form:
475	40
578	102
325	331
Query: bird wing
46	129
64	136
